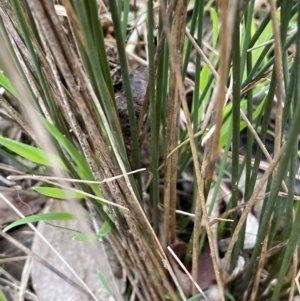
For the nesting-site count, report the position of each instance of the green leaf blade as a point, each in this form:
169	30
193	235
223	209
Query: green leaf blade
50	216
58	193
32	153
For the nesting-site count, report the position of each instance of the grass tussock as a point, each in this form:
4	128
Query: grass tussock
178	123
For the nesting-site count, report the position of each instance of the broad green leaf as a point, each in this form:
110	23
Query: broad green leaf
32	153
225	126
58	193
215	23
51	216
265	36
204	76
227	117
226	111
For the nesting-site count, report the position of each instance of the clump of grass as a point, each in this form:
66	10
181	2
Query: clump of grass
59	78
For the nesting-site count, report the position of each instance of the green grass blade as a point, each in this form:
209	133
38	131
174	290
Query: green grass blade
127	88
58	193
2	296
276	184
90	237
104	283
82	166
247	33
125	18
236	102
29	41
32	153
104	230
154	117
192	31
6	84
292	147
50	216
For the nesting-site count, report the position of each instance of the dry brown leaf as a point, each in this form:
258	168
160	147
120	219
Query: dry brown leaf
206	273
184	281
